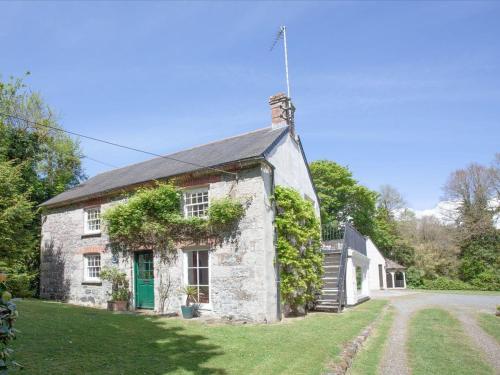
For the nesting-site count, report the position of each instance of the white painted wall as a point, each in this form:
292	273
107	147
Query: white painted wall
376	258
291	168
353	294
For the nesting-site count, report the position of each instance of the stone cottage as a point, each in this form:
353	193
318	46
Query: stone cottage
236	280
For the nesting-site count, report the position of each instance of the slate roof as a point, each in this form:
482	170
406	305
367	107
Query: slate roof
390	264
242	147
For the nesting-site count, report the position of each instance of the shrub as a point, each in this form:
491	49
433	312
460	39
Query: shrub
487	280
19	285
414	277
8	315
119	283
444	283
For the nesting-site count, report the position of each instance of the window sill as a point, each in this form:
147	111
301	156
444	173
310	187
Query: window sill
91	235
94	283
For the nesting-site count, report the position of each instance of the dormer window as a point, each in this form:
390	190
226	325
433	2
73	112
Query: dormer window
196	203
92	220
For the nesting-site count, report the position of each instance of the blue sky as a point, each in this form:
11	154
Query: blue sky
401	92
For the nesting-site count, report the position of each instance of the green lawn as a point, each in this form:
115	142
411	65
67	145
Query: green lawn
63	339
491	324
438	345
367	360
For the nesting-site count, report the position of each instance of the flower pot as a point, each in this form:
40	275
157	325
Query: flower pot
187	312
117	305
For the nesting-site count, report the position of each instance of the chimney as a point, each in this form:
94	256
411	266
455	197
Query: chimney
282	112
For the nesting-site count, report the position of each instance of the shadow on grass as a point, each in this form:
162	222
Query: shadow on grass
64	339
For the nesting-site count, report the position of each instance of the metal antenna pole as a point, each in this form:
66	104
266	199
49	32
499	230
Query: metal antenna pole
283	30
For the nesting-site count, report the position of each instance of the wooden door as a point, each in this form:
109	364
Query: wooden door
144	280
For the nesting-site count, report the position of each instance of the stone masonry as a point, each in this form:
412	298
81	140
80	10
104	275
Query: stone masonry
242	273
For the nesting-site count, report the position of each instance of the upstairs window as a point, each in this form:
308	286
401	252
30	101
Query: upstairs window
196	203
92	220
92	267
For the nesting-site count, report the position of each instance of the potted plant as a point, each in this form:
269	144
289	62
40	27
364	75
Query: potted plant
188	309
119	288
498	311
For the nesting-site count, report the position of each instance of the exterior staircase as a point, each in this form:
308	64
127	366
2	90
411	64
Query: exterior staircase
335	245
329	298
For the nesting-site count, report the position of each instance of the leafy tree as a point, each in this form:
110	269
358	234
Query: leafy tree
16	216
388	239
47	160
476	188
342	198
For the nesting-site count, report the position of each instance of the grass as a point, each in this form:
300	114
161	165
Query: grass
491	324
367	360
472	292
438	345
64	339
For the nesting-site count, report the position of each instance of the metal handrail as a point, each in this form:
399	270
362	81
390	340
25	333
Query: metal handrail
342	272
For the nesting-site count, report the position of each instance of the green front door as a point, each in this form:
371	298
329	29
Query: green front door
144	280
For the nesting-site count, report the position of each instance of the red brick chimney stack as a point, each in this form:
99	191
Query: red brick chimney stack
282	111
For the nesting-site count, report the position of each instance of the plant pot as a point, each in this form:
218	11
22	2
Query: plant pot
117	305
187	312
497	313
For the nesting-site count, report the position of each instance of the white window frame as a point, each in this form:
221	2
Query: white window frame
205	306
86	212
86	267
195	191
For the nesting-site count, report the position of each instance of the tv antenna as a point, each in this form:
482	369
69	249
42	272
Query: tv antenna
282	35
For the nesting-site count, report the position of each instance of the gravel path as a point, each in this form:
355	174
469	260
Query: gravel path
395	362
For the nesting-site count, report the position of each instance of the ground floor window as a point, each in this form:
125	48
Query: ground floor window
92	267
359	278
198	274
399	280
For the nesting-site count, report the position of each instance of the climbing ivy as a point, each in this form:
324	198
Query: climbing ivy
299	248
152	219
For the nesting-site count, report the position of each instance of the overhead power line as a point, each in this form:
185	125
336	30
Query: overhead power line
115	144
99	161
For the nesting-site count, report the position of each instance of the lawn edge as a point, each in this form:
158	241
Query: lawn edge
345	359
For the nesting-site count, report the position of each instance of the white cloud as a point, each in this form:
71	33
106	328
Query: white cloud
446	211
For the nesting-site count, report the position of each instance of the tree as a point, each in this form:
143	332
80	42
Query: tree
390	199
47	162
474	191
389	241
16	216
342	198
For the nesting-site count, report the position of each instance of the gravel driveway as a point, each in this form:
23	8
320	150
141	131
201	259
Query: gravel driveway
464	307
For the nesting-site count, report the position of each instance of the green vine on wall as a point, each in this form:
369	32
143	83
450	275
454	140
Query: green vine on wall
299	248
151	219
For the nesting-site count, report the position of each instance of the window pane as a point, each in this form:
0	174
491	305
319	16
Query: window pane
192	259
203	255
203	296
192	276
203	276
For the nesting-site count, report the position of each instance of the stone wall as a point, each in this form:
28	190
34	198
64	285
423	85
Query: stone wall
242	274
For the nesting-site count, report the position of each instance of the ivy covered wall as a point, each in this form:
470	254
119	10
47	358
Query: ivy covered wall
299	248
